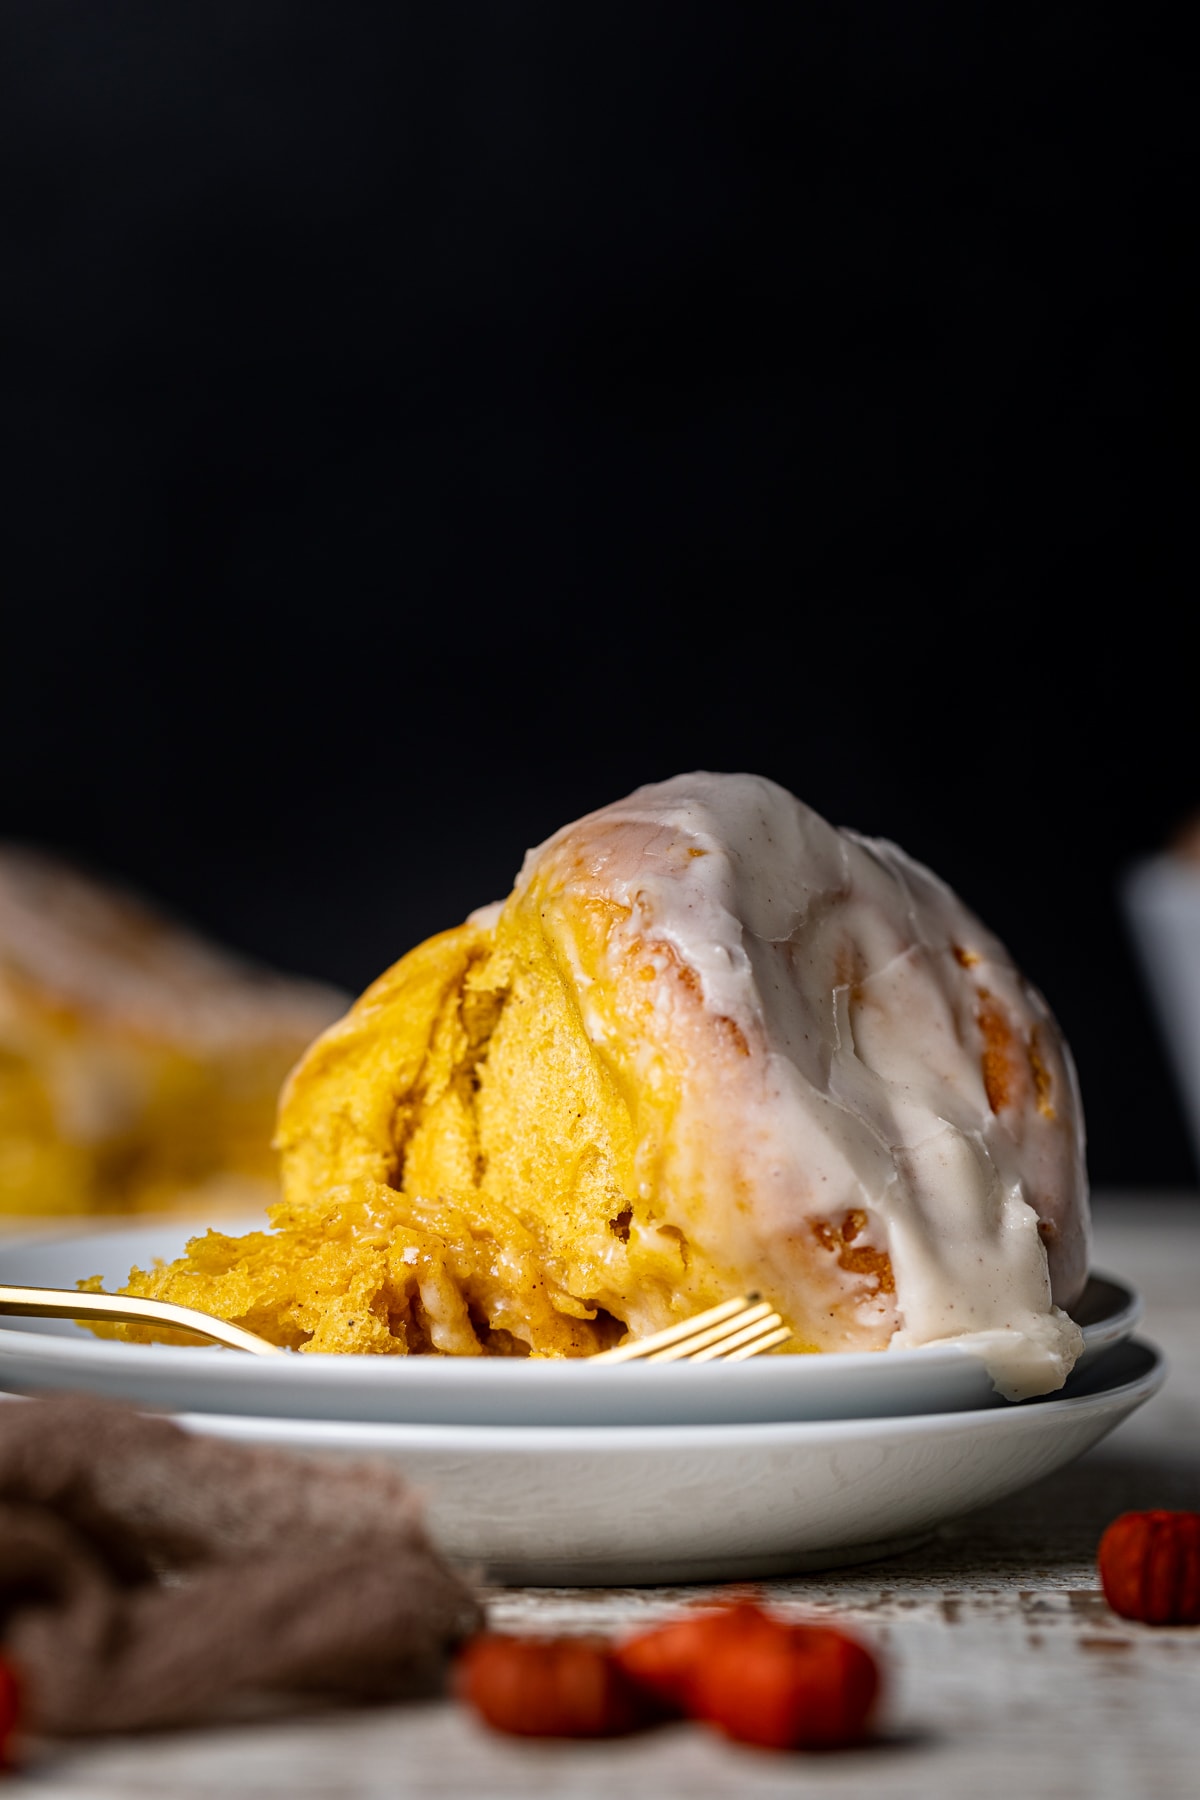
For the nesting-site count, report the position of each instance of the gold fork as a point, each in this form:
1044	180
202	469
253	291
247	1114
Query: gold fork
66	1303
731	1332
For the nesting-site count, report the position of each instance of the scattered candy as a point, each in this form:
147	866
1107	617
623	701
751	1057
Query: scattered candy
751	1675
1149	1565
10	1708
550	1687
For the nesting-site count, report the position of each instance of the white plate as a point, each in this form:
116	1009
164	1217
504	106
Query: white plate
39	1355
650	1504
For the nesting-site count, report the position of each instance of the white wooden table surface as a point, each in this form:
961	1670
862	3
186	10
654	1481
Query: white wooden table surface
1009	1676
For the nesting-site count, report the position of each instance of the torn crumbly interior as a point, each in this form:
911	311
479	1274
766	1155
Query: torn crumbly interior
461	1174
708	1045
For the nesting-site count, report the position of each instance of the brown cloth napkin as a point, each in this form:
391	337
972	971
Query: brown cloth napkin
152	1577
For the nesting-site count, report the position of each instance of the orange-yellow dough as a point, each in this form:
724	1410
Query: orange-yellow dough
708	1045
139	1065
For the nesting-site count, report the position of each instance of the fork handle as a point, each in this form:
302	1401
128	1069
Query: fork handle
66	1303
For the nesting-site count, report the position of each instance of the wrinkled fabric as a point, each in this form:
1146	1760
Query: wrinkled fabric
151	1577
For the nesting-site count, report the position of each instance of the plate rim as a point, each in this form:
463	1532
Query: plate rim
212	1360
1038	1413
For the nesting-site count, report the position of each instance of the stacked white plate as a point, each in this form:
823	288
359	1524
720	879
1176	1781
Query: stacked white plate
582	1474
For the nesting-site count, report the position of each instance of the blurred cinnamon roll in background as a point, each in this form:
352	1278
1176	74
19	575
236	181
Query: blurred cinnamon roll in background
140	1065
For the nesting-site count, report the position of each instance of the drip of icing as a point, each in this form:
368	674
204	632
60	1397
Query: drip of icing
897	1064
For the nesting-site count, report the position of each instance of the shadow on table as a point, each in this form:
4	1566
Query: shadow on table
1055	1523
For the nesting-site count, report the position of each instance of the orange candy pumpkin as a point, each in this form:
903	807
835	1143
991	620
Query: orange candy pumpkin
10	1708
1149	1565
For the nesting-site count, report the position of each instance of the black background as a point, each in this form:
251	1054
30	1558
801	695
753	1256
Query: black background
427	423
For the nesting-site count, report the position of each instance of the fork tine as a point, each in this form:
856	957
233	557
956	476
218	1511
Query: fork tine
674	1334
754	1347
746	1333
712	1341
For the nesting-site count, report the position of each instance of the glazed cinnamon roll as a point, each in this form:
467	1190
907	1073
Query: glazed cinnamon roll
709	1044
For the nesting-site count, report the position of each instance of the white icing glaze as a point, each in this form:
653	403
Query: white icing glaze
861	988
